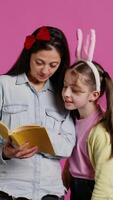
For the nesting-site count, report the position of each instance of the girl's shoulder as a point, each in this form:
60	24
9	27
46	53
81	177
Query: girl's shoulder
99	144
99	133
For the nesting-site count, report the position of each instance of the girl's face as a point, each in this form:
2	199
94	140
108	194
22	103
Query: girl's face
76	94
43	64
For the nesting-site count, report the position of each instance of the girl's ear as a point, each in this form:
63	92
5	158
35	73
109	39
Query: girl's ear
94	96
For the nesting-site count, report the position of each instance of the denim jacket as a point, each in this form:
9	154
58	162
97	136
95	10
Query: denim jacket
21	104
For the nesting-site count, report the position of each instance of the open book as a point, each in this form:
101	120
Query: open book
34	134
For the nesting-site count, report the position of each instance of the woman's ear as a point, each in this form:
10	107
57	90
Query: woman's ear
94	96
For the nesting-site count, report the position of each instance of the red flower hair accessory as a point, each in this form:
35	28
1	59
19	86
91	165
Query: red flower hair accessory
29	41
43	34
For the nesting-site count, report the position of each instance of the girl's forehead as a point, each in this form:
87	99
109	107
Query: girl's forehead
74	76
76	81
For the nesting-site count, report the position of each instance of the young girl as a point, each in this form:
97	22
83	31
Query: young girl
88	172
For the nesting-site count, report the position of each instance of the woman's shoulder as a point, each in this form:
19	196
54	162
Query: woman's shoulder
6	78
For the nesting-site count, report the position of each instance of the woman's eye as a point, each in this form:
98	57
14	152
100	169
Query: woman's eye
39	63
53	65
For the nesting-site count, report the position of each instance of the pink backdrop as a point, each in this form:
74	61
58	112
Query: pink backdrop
19	18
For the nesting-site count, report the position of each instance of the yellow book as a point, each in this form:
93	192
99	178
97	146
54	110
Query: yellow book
34	134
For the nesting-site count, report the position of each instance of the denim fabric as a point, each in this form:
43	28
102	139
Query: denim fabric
21	104
6	196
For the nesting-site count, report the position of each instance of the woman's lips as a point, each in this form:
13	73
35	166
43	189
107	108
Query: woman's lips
43	77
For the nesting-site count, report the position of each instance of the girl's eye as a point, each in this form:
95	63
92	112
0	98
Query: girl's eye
76	91
64	86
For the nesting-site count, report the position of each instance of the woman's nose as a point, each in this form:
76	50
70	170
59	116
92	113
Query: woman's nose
45	69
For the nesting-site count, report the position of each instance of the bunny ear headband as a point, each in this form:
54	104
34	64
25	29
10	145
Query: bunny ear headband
90	42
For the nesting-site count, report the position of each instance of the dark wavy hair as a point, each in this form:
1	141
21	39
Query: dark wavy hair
59	42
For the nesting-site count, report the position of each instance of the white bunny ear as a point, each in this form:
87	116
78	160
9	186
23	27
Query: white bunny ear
86	46
91	45
79	44
89	51
92	41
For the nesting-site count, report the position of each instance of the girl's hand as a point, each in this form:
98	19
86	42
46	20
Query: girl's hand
24	151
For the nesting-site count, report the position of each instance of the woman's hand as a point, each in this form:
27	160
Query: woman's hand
21	152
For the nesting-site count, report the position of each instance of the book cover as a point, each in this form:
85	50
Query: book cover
34	134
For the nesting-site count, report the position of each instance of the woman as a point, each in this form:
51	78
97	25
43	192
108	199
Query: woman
29	93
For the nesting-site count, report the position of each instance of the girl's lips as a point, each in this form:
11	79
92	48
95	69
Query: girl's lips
68	101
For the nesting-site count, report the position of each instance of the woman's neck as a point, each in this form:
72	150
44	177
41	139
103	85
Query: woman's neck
35	83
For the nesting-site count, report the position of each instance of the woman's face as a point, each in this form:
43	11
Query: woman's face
43	64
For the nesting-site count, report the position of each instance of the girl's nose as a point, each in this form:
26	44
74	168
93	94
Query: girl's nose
67	92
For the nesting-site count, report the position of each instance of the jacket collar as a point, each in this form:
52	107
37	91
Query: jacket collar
22	79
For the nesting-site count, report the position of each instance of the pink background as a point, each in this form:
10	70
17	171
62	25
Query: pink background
19	18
